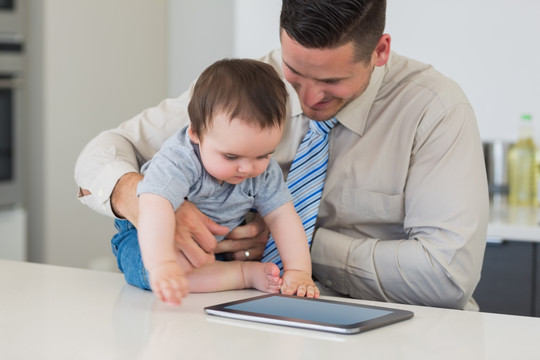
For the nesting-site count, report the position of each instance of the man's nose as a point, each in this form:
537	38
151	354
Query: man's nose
311	94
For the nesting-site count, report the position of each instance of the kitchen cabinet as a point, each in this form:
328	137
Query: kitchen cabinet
509	279
510	282
537	282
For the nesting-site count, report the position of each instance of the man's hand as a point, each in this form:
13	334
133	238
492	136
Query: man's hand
247	239
124	201
194	236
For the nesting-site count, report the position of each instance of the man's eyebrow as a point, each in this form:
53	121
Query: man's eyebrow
324	80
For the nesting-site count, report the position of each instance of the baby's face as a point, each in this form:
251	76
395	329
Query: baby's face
232	151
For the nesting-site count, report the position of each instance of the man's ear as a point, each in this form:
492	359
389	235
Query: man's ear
382	51
193	136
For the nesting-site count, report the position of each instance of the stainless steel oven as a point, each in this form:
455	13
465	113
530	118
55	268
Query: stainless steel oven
11	16
11	100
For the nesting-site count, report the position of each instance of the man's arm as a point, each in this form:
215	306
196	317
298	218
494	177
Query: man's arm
446	212
124	202
122	150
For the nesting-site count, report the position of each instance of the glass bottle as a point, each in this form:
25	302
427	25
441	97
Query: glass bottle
522	168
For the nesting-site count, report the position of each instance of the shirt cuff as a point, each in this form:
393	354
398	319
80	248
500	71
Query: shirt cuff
102	187
329	253
345	264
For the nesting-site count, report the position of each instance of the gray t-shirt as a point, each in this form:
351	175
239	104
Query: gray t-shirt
176	173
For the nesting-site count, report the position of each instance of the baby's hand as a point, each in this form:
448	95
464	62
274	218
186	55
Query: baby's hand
168	282
299	283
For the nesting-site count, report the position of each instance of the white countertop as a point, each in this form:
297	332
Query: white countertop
51	312
508	222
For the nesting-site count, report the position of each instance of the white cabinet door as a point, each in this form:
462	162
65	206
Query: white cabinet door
13	234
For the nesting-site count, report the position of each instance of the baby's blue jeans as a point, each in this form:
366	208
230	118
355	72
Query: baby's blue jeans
125	246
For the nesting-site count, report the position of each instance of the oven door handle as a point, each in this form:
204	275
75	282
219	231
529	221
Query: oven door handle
10	83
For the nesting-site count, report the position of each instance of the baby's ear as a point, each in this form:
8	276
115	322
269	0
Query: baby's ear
192	135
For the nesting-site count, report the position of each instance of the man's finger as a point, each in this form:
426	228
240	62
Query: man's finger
229	245
195	254
203	238
214	228
249	230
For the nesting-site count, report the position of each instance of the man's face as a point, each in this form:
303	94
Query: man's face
325	79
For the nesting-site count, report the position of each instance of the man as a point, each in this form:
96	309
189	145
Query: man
404	211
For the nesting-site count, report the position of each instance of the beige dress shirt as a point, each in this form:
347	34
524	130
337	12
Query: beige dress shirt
404	211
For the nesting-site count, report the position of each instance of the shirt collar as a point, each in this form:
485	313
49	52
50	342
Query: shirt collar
354	115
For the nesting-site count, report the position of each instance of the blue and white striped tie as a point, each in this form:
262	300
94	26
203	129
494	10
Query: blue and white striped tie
306	181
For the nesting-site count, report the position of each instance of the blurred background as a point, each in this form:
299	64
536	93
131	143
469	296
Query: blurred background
89	65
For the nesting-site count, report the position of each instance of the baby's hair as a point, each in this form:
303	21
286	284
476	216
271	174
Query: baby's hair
245	89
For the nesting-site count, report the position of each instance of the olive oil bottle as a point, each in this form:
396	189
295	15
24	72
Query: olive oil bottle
522	168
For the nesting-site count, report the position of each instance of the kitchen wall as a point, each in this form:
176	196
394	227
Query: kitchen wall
199	33
233	28
488	46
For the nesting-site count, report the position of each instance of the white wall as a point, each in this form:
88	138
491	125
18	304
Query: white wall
200	32
256	27
490	47
203	31
92	65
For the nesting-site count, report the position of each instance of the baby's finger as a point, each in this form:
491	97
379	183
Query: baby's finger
285	289
181	285
301	290
312	291
171	292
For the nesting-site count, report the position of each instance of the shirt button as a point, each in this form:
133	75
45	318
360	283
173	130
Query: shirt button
329	283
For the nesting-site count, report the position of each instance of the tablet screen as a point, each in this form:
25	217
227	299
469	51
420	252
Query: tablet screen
319	314
326	312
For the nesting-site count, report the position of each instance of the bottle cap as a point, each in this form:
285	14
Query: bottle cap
526	117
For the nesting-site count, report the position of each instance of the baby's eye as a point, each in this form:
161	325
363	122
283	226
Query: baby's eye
267	156
230	157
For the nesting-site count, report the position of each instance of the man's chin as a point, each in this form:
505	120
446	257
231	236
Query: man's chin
320	115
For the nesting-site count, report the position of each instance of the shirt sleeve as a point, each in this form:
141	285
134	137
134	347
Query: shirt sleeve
446	214
171	172
121	150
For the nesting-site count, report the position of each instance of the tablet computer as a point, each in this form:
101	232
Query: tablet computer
316	314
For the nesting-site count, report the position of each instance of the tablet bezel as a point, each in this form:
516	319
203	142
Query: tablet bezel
395	315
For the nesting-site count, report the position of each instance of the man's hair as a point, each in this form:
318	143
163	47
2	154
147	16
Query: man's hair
326	24
242	88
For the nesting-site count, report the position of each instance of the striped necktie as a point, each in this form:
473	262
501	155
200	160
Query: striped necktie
306	181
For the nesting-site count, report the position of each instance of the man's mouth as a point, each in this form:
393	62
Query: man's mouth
321	105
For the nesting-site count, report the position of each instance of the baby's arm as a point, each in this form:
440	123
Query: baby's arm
156	239
290	237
